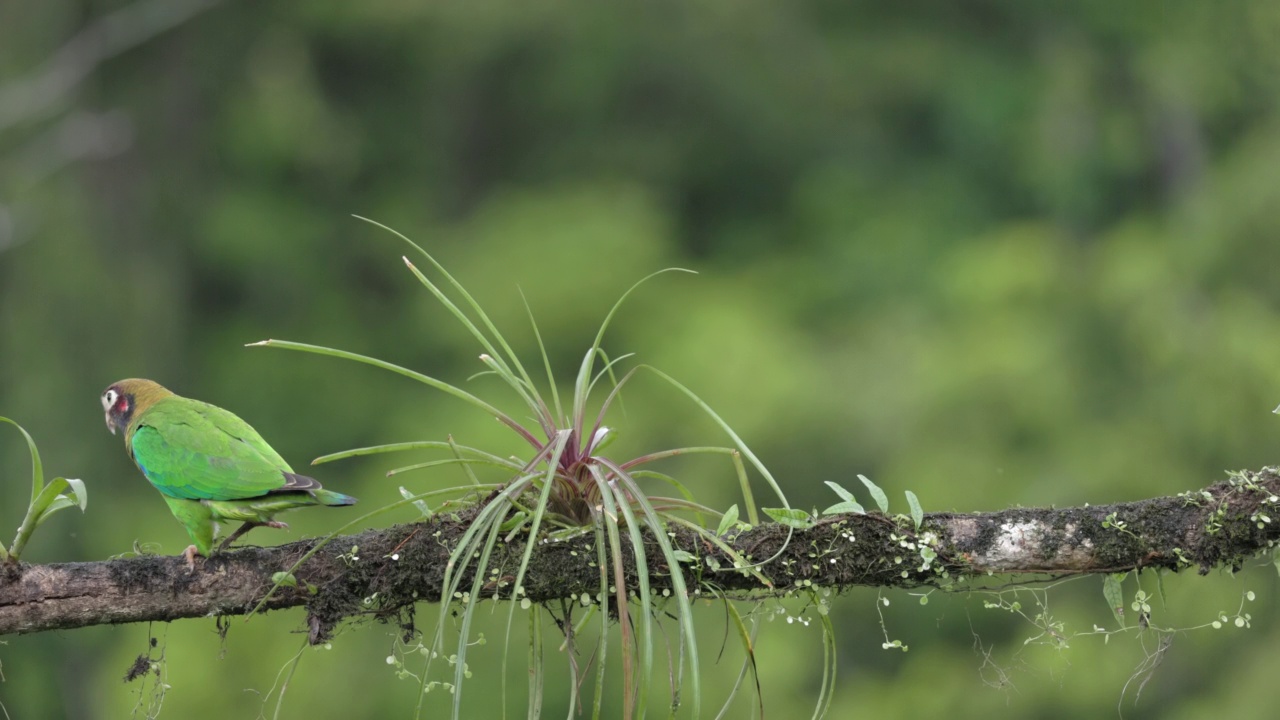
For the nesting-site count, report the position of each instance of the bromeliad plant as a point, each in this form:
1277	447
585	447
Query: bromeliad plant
59	494
568	486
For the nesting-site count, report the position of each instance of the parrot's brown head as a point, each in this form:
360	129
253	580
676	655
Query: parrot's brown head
128	399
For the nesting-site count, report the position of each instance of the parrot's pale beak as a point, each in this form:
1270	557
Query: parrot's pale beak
110	425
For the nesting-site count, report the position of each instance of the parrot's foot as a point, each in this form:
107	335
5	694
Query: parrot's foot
249	526
190	555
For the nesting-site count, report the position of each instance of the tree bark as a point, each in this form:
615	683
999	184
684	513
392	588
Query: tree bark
383	573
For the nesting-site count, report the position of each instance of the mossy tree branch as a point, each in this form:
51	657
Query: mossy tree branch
395	568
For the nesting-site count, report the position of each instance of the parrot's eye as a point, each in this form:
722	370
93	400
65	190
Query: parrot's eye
114	402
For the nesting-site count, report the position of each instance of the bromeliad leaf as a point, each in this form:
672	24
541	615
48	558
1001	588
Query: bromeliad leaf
603	438
514	520
791	517
882	500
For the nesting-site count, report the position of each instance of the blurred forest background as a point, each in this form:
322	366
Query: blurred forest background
998	253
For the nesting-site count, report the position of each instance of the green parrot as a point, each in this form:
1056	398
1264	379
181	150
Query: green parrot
209	465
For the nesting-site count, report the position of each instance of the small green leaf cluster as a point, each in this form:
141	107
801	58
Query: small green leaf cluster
888	644
791	517
351	557
1195	497
1260	517
1240	482
1113	522
1213	525
848	504
1184	561
923	545
1241	619
287	579
1141	603
1053	632
801	520
46	499
925	548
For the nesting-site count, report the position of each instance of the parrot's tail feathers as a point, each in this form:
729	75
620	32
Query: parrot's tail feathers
297	483
301	483
329	497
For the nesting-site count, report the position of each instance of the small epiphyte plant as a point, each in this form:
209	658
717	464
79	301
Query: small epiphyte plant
567	488
46	499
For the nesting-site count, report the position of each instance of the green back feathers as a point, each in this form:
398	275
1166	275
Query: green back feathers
192	450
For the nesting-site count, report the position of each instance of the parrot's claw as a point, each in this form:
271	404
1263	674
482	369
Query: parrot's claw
246	528
190	555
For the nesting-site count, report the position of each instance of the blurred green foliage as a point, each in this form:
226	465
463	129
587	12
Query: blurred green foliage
997	253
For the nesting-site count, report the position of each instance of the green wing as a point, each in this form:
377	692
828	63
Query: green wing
196	451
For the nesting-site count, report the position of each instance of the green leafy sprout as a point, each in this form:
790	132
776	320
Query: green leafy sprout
46	499
567	487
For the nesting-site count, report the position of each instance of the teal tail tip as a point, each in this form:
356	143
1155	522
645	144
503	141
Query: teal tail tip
329	497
